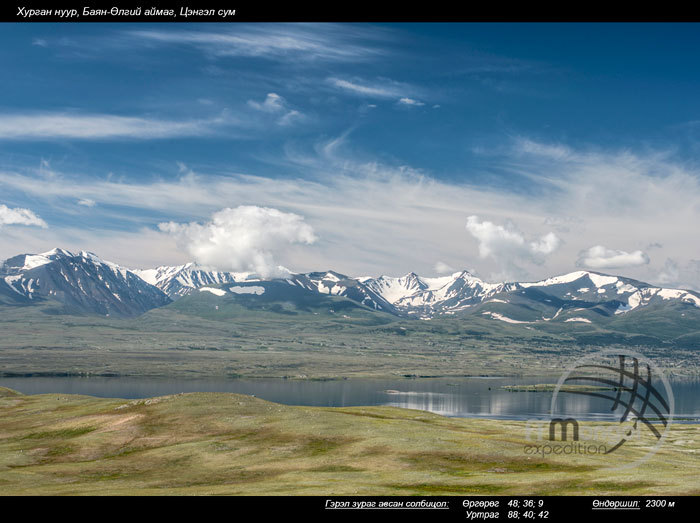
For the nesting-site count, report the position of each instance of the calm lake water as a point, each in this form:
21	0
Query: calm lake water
458	397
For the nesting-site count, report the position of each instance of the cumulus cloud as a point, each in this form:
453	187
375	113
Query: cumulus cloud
493	238
506	245
545	245
245	238
600	257
498	240
19	216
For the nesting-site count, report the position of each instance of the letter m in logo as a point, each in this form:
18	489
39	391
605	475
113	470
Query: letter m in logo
564	423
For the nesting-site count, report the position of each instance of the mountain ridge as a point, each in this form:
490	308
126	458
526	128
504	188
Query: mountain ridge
81	282
87	283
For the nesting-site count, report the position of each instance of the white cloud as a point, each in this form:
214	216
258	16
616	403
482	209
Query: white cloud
443	268
275	104
244	238
371	215
494	239
87	202
318	42
96	127
410	102
386	89
554	151
600	257
373	91
290	117
19	216
549	243
497	240
508	247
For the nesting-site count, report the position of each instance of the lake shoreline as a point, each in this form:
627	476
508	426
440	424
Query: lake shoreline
492	397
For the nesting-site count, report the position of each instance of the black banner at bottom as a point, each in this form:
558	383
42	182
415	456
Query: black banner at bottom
403	508
504	508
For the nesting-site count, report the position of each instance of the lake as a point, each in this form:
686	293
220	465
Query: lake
457	397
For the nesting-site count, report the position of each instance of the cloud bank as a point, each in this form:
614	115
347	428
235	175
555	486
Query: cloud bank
372	216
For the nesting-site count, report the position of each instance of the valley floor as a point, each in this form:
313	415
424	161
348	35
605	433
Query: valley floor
165	343
206	443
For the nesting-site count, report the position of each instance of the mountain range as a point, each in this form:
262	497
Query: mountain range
84	283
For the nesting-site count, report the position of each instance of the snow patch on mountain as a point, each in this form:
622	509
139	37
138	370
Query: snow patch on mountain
254	289
394	289
601	280
557	280
32	261
578	319
498	316
217	292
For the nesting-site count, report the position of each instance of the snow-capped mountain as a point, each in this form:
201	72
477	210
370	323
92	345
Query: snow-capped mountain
180	280
336	284
81	282
84	282
560	298
581	296
585	289
425	297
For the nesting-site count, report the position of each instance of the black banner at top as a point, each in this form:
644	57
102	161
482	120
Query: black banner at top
180	11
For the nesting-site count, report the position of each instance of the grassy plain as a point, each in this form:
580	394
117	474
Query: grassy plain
238	342
205	443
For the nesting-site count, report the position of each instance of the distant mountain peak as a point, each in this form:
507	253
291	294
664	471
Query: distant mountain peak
82	282
57	251
179	280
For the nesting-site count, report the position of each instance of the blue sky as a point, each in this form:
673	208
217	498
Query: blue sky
570	145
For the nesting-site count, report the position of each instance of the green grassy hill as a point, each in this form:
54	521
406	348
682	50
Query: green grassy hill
239	445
